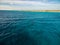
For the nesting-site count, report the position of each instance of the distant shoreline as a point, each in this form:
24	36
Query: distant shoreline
34	10
43	10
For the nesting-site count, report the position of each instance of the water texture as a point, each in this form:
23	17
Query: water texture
29	28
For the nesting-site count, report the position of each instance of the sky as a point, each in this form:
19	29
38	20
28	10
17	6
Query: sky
30	4
55	1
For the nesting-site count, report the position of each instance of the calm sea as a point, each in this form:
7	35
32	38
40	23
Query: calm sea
29	28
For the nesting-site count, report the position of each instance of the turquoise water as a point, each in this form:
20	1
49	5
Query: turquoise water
29	28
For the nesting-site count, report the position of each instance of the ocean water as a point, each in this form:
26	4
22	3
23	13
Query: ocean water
29	28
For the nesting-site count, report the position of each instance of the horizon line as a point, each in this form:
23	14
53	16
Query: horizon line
34	10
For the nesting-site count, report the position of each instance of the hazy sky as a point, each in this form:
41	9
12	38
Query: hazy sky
37	0
45	1
30	4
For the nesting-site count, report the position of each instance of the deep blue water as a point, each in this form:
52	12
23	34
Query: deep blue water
29	28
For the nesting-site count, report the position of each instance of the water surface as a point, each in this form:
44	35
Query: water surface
29	28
